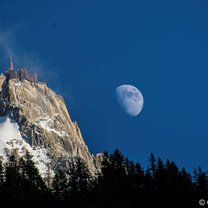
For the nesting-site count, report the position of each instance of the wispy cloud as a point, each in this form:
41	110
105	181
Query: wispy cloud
22	57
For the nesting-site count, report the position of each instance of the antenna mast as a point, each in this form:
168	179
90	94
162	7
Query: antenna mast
11	65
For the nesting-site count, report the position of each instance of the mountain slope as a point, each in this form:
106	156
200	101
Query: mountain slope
43	122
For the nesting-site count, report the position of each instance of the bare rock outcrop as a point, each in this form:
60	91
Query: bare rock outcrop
44	121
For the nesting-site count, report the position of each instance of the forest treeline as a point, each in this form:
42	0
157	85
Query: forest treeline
121	183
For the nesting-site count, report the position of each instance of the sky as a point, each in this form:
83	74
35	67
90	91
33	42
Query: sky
85	49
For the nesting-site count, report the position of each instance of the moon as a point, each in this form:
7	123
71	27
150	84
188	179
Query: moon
130	99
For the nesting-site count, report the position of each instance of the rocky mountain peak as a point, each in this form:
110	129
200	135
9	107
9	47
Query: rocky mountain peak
42	121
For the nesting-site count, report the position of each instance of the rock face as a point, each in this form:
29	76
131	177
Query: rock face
44	121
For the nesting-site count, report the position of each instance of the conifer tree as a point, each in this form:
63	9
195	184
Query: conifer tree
1	173
13	184
32	174
79	183
201	180
152	162
59	185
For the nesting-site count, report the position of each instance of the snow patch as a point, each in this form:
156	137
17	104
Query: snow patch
18	84
10	139
48	124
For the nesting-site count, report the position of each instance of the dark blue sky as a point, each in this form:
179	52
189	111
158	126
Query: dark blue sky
85	49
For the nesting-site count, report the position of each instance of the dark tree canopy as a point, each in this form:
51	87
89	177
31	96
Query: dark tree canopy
120	183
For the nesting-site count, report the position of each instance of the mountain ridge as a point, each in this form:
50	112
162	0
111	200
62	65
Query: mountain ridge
44	122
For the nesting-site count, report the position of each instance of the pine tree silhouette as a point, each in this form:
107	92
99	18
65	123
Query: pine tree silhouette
119	183
60	188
